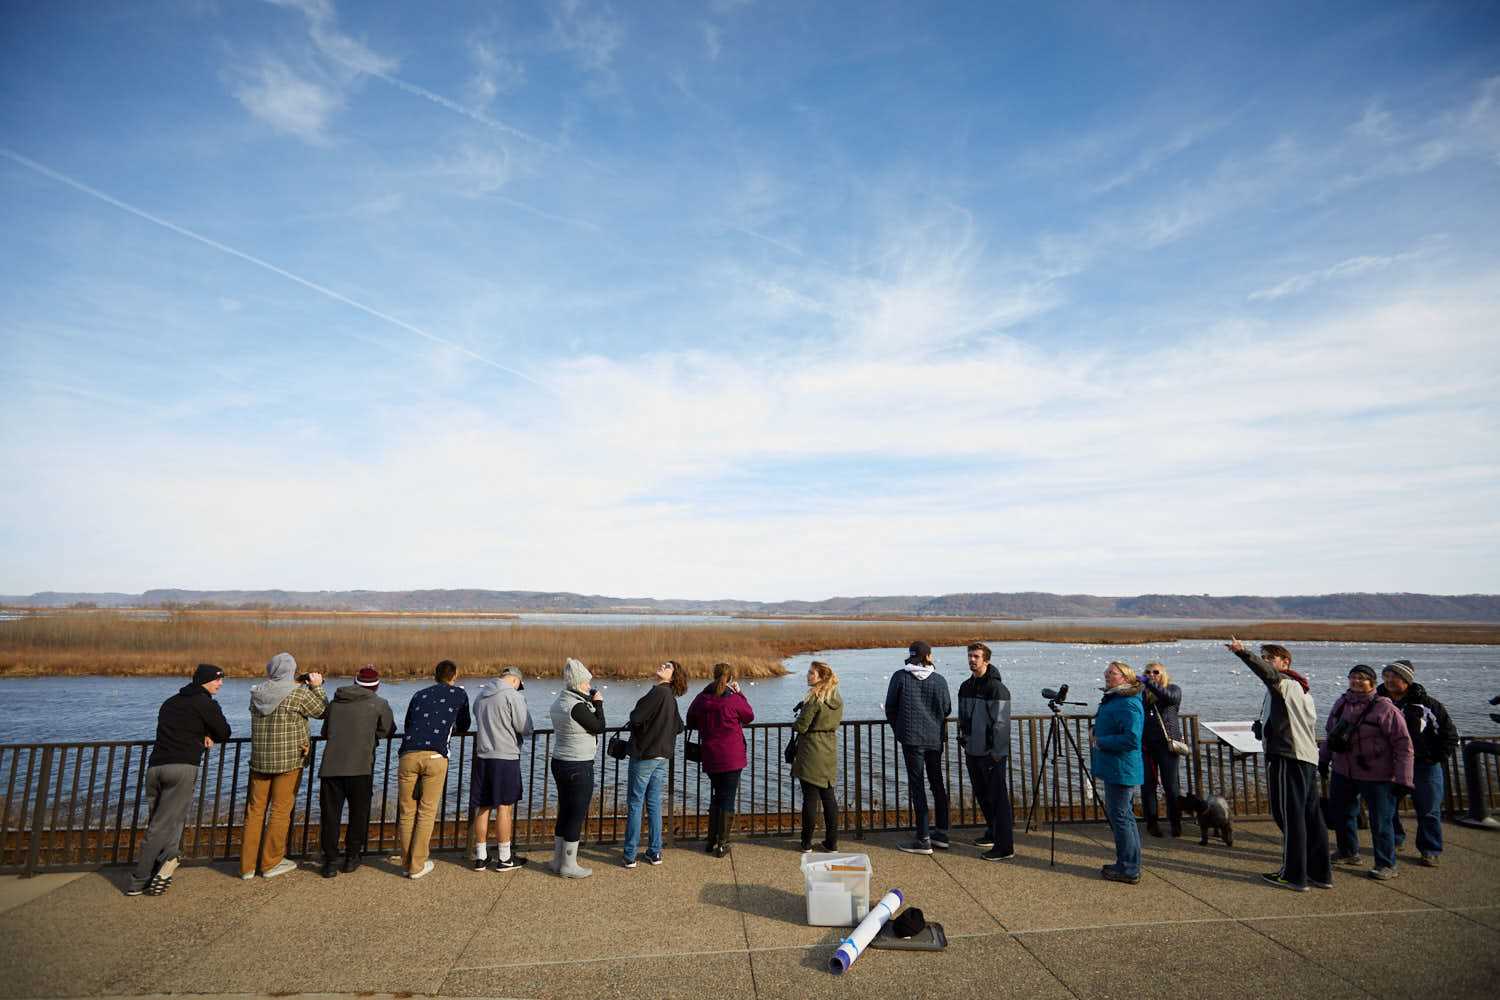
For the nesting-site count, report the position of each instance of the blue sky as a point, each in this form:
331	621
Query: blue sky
750	299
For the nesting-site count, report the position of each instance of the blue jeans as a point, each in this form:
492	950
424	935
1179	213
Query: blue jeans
647	780
1427	796
1118	807
1344	794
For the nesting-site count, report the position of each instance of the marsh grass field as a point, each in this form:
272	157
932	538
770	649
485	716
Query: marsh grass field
123	644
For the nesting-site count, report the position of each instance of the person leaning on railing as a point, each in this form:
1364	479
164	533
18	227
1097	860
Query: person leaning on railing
1433	738
654	725
720	713
502	722
1285	727
1116	761
354	723
1162	700
816	761
577	720
279	742
1479	796
1370	751
433	715
187	724
917	704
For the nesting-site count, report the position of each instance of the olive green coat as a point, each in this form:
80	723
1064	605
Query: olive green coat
817	761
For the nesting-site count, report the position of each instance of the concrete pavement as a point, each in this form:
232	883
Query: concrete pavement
1200	923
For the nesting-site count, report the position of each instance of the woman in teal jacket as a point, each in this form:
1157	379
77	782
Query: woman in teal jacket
1116	761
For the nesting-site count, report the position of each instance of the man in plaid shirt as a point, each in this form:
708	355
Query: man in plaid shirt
279	741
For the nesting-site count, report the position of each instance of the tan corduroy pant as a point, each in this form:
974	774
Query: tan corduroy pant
265	835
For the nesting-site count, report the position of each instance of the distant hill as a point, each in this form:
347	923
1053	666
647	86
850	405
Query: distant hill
1324	607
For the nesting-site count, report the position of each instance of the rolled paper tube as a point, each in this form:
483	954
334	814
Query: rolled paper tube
854	945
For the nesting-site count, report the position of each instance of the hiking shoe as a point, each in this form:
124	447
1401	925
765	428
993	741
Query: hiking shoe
655	859
510	864
1116	875
1276	879
481	864
994	855
628	862
427	867
985	842
286	865
1429	860
916	847
941	841
1352	860
1382	874
1319	885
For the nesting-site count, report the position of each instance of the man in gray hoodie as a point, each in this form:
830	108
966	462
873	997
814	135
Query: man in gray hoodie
353	725
502	722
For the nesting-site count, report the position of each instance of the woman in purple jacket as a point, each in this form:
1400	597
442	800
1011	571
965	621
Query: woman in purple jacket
1371	752
720	713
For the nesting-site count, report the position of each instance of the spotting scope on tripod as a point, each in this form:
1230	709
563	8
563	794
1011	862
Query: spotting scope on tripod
1056	699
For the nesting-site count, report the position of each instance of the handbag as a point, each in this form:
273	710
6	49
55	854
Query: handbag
790	753
618	747
692	751
1178	747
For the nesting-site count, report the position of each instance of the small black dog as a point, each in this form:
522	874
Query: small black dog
1213	815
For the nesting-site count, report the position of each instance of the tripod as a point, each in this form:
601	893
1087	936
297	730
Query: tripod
1050	746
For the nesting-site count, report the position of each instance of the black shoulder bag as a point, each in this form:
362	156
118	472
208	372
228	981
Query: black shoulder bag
1341	740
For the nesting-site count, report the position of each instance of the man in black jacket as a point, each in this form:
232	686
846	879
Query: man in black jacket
1433	738
984	733
187	724
353	725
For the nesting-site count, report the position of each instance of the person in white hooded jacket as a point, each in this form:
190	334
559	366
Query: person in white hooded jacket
502	722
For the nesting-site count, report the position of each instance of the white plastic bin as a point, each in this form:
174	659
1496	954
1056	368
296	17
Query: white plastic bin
838	888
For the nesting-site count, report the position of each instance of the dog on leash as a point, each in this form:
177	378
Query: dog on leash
1213	817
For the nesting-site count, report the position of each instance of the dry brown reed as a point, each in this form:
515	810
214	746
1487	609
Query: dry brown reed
107	643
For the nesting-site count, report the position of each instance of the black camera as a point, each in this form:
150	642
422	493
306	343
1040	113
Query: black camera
303	678
1057	698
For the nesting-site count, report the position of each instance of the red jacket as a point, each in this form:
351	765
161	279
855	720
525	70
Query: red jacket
720	720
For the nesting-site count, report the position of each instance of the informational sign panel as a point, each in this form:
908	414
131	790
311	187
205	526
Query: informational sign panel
1237	734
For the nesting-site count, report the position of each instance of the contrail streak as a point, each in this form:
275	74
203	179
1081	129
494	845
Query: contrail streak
62	178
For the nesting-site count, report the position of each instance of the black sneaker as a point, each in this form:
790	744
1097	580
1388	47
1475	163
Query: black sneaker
350	863
627	862
162	880
984	843
1276	879
1319	885
941	841
994	855
655	859
135	890
510	864
480	864
1116	875
330	869
916	847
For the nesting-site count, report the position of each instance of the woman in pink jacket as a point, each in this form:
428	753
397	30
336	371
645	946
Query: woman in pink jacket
720	713
1371	753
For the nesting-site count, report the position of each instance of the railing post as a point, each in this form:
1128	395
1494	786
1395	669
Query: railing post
33	852
859	798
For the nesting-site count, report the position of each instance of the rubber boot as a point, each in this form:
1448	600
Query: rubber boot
570	866
555	865
726	823
714	817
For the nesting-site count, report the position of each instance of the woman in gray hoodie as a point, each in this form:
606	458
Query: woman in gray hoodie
577	720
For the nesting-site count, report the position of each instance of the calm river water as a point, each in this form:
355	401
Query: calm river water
1215	685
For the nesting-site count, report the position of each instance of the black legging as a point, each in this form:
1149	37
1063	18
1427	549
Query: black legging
811	795
1161	761
575	786
724	788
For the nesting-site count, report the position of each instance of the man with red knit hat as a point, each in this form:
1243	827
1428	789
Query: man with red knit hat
354	723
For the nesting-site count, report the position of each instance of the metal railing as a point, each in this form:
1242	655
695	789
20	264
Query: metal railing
81	805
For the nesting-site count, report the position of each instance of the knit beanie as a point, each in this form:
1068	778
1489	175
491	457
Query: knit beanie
1366	669
368	676
206	673
1402	669
576	675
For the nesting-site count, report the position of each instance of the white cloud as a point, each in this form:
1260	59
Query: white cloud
591	34
493	75
1348	268
287	101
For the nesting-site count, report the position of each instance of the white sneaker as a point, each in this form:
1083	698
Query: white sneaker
286	865
247	876
426	867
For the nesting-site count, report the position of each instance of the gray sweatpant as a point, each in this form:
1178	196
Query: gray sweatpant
169	789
